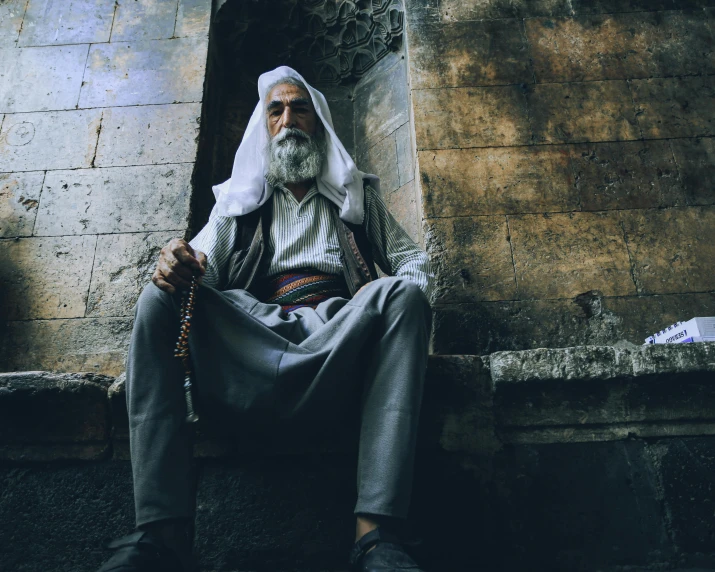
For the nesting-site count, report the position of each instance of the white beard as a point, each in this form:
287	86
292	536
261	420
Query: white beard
295	156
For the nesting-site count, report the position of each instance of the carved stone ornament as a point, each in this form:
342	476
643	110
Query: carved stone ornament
332	42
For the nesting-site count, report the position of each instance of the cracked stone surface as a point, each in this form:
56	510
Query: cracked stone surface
19	200
46	278
49	140
123	265
41	79
112	200
144	72
149	135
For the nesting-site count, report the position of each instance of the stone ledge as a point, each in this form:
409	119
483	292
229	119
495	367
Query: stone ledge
53	416
593	393
473	404
590	363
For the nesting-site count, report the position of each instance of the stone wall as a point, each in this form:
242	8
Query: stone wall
565	164
100	108
384	139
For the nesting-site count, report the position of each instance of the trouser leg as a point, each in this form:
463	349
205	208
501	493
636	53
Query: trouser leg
392	396
159	437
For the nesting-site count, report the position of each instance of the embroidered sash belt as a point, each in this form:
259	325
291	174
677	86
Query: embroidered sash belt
302	287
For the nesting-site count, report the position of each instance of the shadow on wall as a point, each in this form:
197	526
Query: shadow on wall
355	58
564	152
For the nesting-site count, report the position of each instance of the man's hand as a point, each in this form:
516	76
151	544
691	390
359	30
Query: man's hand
177	265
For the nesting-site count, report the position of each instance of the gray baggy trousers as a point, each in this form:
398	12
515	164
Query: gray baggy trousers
252	359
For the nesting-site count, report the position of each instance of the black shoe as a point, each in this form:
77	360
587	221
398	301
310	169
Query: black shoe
142	551
386	556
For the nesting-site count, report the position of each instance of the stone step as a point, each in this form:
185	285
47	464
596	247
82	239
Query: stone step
578	459
473	404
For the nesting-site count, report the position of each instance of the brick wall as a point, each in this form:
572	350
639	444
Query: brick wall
100	105
565	162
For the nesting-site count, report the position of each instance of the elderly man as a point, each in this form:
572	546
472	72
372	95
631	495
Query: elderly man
292	328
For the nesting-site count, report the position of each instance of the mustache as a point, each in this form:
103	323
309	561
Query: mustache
291	132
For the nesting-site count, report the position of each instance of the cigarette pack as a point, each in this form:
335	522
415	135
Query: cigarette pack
695	330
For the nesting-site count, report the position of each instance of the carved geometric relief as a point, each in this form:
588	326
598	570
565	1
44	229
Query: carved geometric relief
334	42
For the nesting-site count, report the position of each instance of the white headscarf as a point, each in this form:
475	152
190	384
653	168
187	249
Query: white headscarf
247	189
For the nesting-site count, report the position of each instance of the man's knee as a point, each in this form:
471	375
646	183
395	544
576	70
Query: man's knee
405	292
153	301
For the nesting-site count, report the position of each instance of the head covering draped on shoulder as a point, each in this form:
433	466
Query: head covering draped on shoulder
247	189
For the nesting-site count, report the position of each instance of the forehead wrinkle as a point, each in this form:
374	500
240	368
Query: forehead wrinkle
295	101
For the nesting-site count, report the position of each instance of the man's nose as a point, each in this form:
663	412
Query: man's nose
288	118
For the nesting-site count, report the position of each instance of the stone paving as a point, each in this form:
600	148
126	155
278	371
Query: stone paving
100	108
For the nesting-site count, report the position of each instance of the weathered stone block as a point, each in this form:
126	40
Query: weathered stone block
620	46
144	20
11	13
668	359
405	154
593	111
91	501
591	319
341	111
472	257
422	12
144	72
695	159
46	416
115	199
50	140
642	391
685	467
577	364
403	206
46	277
149	135
97	345
631	175
469	54
77	22
554	507
123	265
675	107
614	6
470	117
459	404
19	198
672	250
639	317
193	18
456	10
381	159
379	111
284	506
484	327
563	255
38	79
500	180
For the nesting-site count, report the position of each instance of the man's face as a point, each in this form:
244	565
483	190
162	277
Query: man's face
290	106
297	143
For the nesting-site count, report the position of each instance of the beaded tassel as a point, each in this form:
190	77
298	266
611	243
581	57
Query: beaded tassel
182	347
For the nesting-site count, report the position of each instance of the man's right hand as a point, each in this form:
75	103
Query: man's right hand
177	265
